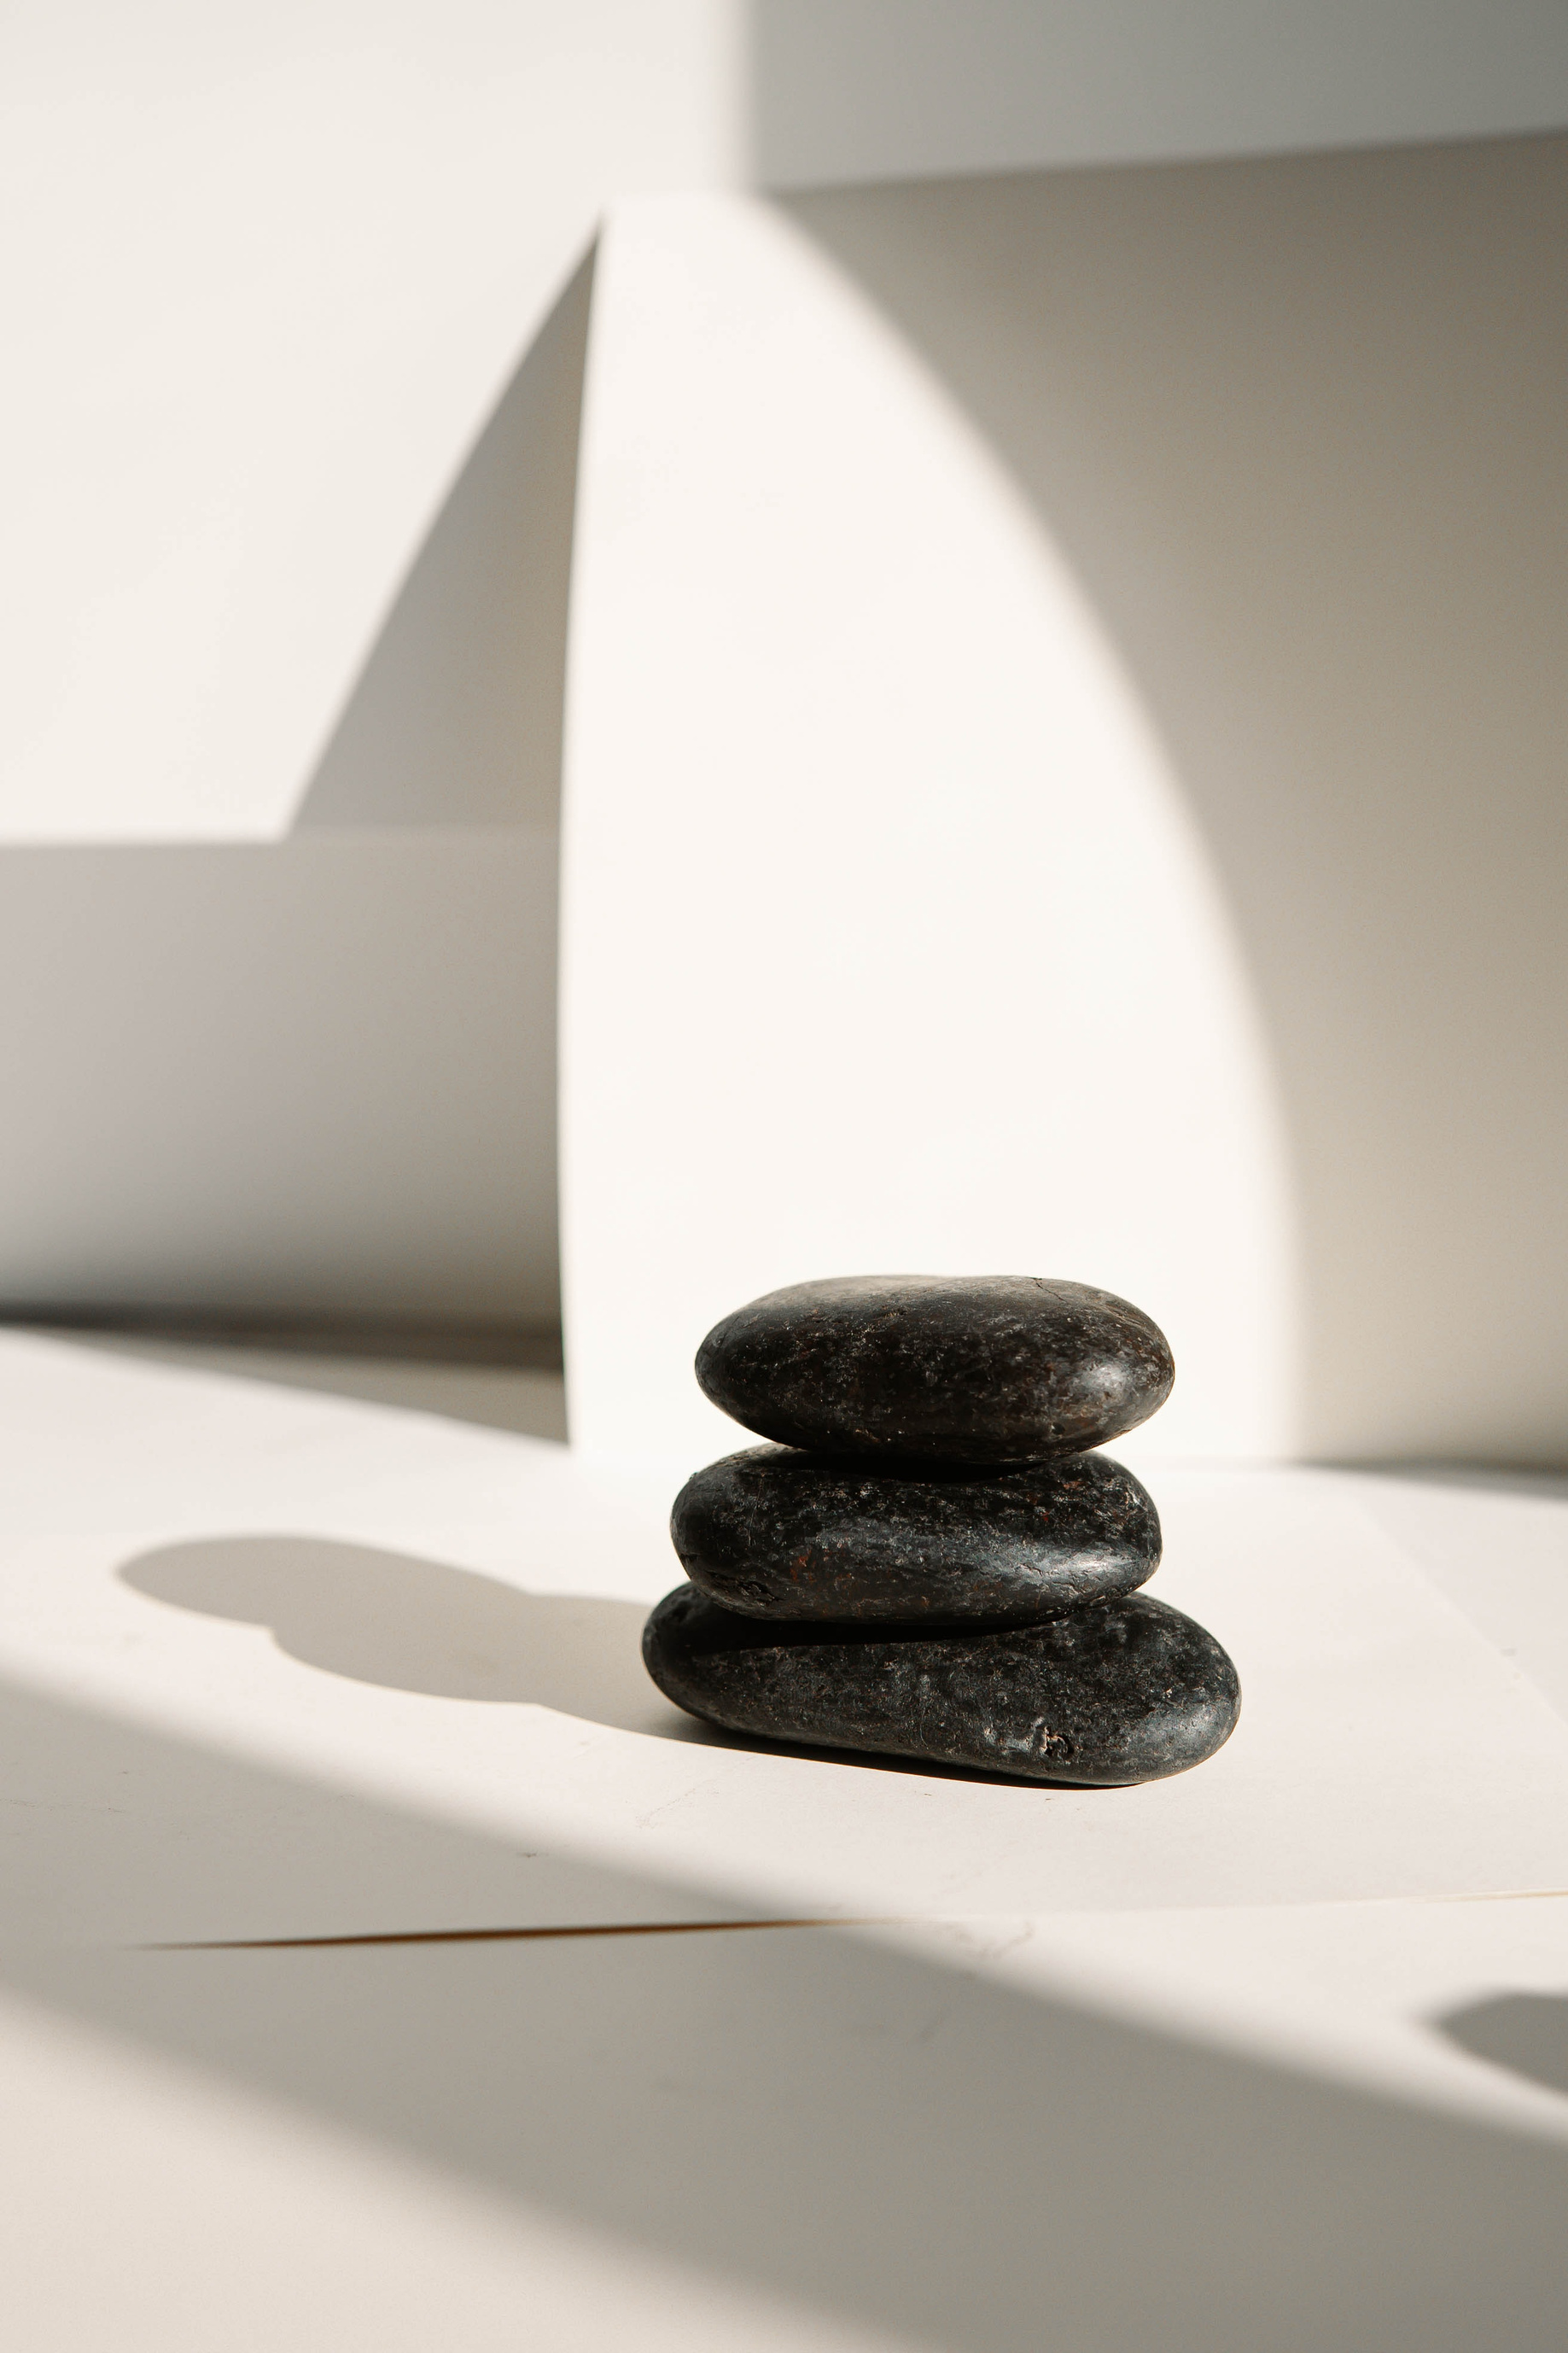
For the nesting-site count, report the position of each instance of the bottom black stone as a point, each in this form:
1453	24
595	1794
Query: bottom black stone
1115	1692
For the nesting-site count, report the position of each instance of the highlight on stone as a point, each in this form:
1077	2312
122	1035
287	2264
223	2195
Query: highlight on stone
929	1562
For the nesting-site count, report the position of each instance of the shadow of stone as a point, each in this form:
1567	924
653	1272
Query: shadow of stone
422	1625
1525	2032
414	1625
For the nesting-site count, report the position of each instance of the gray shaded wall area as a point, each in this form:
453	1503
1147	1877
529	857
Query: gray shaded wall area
878	90
316	1077
1298	426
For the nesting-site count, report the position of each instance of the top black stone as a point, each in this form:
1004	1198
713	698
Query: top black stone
938	1368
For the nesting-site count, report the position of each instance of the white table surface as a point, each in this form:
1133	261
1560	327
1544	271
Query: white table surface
304	1697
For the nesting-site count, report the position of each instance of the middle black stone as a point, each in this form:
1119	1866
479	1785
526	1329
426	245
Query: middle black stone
775	1533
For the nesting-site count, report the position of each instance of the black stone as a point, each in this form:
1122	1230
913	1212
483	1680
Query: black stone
1117	1692
776	1533
938	1368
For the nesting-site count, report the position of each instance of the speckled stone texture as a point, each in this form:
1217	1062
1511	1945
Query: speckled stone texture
1114	1692
938	1368
776	1533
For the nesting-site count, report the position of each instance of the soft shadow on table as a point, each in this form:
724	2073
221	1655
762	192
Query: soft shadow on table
416	1625
865	2131
1525	2032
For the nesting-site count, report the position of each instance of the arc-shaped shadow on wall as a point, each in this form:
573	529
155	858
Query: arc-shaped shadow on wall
872	2133
1296	424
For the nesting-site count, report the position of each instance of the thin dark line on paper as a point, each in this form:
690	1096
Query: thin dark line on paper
491	1936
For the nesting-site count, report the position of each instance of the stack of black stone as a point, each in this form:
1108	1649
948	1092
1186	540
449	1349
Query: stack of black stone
929	1562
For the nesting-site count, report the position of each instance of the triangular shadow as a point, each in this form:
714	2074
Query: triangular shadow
455	718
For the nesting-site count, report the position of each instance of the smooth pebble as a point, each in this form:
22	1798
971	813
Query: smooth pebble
776	1533
938	1368
1114	1692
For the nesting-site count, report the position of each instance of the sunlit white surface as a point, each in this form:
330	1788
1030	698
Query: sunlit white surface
277	1665
887	943
444	1620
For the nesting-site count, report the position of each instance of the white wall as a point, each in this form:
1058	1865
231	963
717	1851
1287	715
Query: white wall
266	272
887	939
280	290
1065	771
1298	428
